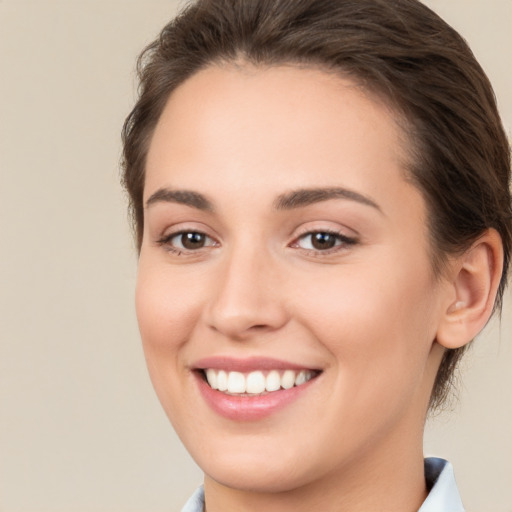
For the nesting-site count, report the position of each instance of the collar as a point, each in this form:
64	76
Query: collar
444	495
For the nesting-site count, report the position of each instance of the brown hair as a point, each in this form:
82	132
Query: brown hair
398	49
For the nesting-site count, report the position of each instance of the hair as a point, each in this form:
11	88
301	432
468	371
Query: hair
400	51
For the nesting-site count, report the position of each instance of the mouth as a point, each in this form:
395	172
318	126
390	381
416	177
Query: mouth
253	388
256	382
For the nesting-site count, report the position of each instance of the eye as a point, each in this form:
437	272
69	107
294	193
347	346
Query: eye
322	241
187	241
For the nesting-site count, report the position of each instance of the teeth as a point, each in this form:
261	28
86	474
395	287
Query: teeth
255	383
288	379
222	381
273	381
211	377
236	382
301	378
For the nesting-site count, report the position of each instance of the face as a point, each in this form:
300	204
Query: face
285	262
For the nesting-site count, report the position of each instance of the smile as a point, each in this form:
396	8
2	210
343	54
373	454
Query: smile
252	389
256	382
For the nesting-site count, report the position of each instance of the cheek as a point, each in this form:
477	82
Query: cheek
377	321
167	307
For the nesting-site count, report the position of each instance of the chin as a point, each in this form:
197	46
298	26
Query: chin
256	477
258	467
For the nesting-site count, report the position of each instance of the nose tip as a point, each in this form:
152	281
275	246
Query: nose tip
246	301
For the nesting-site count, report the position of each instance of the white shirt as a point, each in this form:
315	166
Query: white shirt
443	495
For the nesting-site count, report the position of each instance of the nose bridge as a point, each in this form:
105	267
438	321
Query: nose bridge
246	297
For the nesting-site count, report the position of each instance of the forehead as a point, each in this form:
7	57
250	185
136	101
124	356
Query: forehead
300	99
282	124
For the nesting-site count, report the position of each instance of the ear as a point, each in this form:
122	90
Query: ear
474	279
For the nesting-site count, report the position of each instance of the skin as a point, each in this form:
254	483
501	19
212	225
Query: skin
366	313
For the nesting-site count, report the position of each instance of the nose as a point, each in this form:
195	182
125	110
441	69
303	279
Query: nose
247	298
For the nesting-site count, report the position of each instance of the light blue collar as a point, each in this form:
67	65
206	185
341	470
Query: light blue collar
444	495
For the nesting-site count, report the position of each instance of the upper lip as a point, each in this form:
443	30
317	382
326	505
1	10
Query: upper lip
247	364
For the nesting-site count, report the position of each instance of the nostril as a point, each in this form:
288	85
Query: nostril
238	315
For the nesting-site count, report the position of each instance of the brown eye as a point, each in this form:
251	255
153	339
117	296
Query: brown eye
187	241
323	241
192	240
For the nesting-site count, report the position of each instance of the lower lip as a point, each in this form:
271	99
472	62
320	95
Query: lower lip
250	408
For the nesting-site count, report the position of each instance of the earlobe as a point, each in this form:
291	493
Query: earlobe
472	291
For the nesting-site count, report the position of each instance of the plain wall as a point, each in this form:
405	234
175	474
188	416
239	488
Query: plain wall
80	427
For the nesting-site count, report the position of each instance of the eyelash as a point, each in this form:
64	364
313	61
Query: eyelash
166	240
341	242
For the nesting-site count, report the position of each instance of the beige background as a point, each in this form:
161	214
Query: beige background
80	428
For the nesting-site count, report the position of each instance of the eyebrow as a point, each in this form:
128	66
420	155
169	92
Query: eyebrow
305	197
287	201
186	197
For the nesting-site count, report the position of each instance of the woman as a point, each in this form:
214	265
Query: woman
320	191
